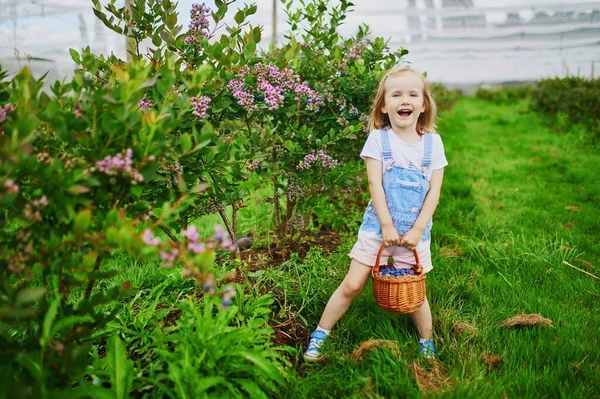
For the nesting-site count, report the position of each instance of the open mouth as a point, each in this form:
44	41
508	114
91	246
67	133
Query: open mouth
404	113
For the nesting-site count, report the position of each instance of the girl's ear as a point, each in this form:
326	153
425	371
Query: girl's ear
384	109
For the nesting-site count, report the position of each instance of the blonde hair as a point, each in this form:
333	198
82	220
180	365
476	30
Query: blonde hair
379	120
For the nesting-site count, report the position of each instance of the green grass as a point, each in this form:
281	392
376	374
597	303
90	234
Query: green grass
517	201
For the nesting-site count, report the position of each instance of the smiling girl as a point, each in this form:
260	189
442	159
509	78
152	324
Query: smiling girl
405	163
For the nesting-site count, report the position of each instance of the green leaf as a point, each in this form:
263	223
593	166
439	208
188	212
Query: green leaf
239	17
31	364
175	376
75	56
86	390
69	322
83	220
290	54
29	295
119	367
49	321
186	142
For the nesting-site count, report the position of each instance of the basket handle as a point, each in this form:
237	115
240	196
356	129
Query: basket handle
418	268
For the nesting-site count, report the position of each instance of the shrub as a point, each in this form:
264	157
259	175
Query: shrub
444	98
505	95
575	100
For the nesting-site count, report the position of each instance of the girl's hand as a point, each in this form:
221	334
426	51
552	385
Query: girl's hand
390	236
411	238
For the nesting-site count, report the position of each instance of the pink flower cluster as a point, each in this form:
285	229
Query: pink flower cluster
254	164
297	223
272	86
198	24
177	91
11	187
120	164
144	104
295	190
216	207
310	159
200	106
170	168
78	112
356	51
149	239
169	257
4	113
191	244
43	157
244	97
32	210
343	122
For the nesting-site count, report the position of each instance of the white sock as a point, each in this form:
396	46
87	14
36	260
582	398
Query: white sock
319	328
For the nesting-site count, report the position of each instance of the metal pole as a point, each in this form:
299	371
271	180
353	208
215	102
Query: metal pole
129	43
274	36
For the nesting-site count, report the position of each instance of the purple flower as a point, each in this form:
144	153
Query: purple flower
120	164
310	159
169	257
219	233
200	106
5	111
197	248
198	27
191	234
149	238
144	104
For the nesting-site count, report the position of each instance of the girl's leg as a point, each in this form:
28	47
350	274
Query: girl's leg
352	285
422	319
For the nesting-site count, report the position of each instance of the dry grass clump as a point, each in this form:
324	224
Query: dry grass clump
491	360
372	344
527	320
462	327
451	252
433	378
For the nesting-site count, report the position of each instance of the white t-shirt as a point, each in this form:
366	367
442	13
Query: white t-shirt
409	156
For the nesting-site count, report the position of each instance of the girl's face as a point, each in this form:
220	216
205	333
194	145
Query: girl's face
404	101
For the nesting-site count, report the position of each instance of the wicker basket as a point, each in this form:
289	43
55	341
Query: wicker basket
403	294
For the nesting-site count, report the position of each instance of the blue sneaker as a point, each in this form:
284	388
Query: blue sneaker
314	346
427	349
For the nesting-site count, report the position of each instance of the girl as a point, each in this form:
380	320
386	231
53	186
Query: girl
405	162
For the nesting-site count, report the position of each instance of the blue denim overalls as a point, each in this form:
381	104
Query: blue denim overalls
405	191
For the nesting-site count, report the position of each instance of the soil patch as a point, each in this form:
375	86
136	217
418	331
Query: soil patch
328	240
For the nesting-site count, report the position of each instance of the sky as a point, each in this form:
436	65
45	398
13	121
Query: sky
46	29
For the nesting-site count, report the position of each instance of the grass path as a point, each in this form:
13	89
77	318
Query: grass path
517	202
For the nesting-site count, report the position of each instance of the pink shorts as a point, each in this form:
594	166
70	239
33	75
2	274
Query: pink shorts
367	246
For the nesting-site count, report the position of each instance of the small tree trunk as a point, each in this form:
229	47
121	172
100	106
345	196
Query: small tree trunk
234	209
276	215
166	231
230	231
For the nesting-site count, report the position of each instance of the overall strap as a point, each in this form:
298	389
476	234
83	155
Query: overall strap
385	143
427	155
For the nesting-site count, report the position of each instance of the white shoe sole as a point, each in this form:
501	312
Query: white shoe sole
309	358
